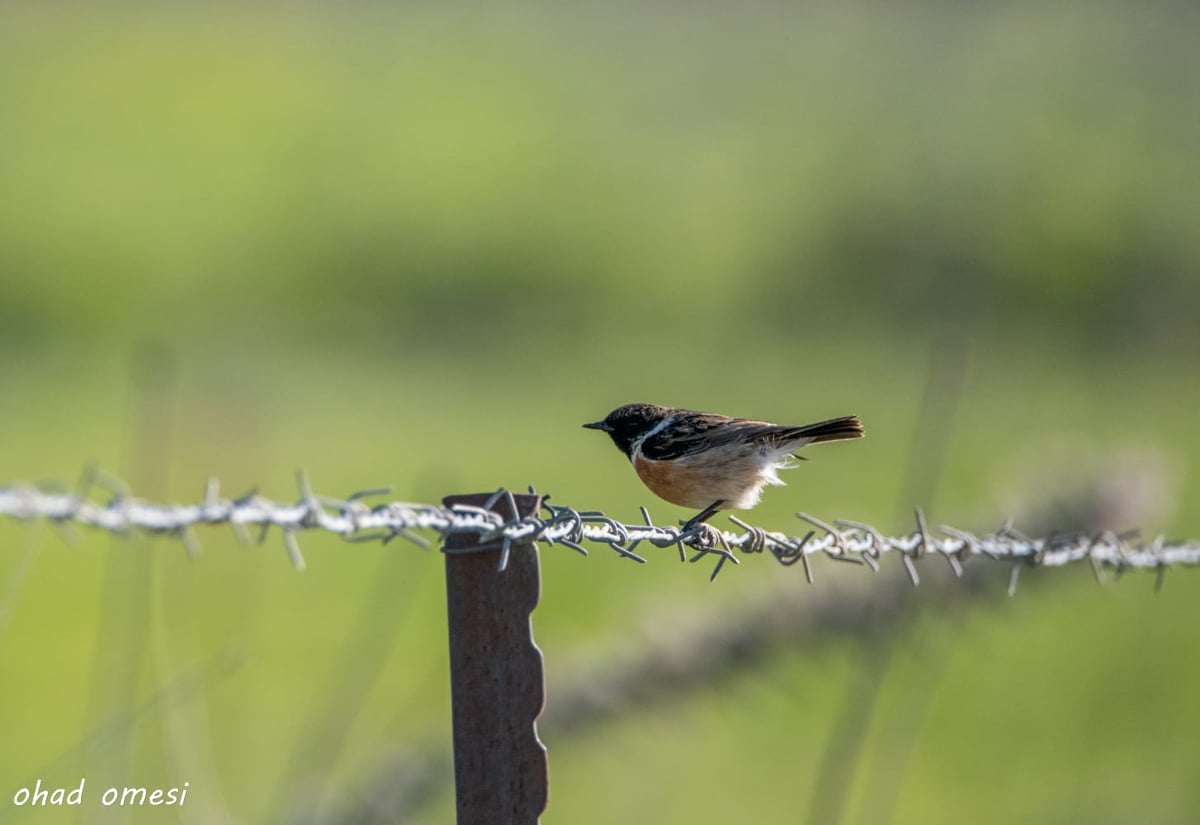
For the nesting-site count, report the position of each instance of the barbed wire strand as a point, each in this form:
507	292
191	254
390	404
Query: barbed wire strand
354	520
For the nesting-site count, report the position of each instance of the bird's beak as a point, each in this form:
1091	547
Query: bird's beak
597	425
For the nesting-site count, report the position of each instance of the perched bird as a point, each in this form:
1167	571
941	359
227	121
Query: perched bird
712	462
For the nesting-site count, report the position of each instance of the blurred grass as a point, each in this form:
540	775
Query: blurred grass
421	246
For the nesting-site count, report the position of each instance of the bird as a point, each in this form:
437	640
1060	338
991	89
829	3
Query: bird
711	462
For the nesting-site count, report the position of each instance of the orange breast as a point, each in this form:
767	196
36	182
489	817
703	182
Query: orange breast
697	481
676	482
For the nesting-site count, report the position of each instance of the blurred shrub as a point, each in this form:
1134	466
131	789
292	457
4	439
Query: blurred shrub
369	173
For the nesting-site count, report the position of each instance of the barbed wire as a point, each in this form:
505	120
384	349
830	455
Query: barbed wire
354	520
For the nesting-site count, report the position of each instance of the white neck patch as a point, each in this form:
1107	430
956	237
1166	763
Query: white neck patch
650	433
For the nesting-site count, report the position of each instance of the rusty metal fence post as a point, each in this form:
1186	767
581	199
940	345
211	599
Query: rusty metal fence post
496	680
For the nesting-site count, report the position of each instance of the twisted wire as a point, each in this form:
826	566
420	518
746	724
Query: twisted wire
353	519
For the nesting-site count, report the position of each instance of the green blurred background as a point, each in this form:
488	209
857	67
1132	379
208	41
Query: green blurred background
419	246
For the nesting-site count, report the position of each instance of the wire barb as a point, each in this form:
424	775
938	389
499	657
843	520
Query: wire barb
353	520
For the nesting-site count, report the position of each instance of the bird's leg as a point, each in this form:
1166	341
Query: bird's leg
704	515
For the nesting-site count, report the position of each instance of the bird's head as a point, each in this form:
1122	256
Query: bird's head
626	425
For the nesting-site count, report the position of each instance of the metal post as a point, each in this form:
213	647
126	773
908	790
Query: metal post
496	682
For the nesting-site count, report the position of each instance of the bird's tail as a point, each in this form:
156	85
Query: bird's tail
835	429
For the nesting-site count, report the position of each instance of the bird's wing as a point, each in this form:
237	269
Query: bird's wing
696	432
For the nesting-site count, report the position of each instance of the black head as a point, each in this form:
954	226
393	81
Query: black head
625	425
